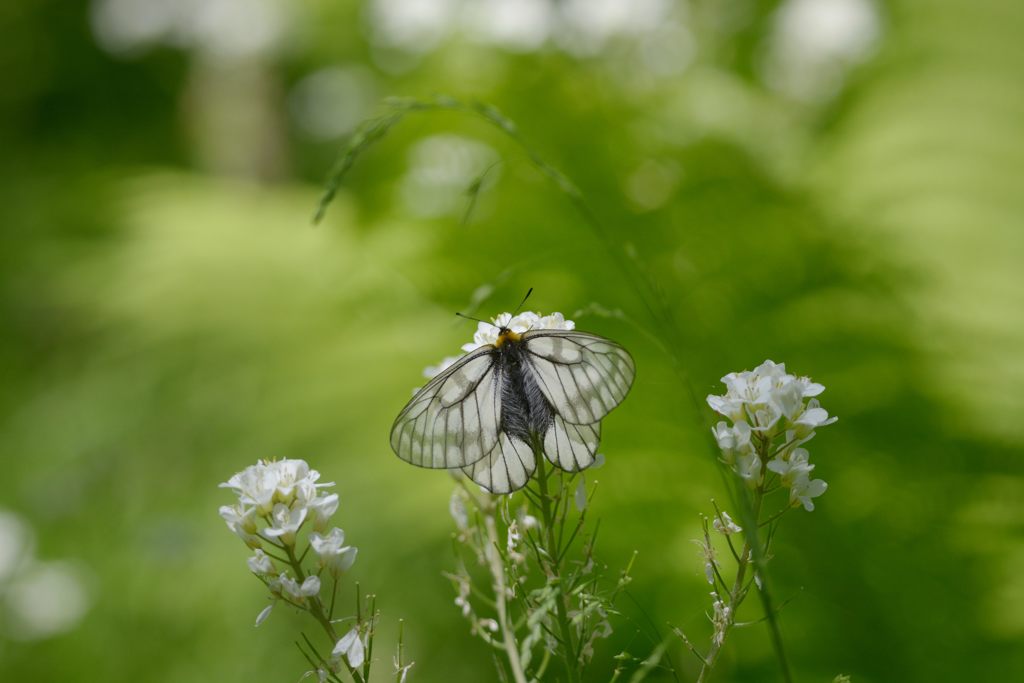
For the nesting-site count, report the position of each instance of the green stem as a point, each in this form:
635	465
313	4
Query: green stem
371	627
736	595
316	608
553	569
509	643
400	657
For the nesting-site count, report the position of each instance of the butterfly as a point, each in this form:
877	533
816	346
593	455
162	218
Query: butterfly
527	392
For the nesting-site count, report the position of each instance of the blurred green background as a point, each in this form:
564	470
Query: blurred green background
830	183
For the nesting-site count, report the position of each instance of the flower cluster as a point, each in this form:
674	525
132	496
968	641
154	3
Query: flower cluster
283	495
487	333
276	501
771	414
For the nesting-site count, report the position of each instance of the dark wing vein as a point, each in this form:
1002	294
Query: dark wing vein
583	376
507	468
446	424
572	447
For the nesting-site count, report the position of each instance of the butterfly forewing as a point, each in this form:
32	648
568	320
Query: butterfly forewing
583	376
558	385
454	420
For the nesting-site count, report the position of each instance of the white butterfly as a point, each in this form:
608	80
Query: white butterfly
484	413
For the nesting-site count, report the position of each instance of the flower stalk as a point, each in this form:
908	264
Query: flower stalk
736	593
771	415
549	599
500	602
552	561
282	515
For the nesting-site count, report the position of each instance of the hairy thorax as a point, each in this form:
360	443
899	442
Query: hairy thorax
525	412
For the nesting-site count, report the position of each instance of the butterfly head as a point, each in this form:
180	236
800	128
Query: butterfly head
507	335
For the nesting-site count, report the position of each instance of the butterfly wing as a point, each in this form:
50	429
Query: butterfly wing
583	376
454	420
507	468
572	447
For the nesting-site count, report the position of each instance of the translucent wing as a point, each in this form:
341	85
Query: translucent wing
572	447
454	420
507	468
583	376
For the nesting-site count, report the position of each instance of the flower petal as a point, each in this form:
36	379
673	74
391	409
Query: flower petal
264	613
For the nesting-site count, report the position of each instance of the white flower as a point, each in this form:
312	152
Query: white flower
811	418
732	408
321	508
334	555
299	592
795	472
790	468
769	402
487	333
295	480
804	489
765	395
734	441
254	486
351	646
738	450
725	525
285	522
260	564
242	521
555	321
266	484
748	467
489	624
787	399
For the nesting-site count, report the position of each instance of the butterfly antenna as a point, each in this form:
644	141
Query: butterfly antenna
528	293
469	317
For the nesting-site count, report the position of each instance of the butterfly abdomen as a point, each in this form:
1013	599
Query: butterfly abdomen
525	412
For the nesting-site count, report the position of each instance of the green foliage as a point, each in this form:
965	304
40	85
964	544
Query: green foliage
170	316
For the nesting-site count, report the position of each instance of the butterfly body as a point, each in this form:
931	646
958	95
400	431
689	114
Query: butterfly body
539	393
525	413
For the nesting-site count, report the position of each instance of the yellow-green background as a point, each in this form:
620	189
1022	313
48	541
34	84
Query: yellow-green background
169	315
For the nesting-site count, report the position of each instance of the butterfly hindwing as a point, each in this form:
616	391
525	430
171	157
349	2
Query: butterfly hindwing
507	468
570	381
572	447
583	376
454	420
